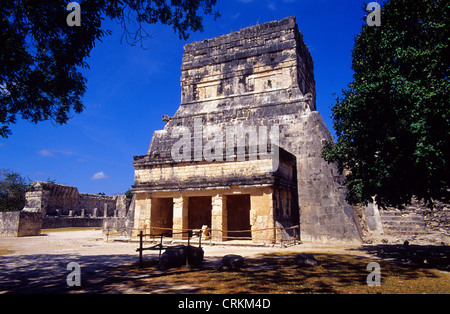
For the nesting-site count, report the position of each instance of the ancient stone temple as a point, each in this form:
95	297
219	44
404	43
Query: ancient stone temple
242	155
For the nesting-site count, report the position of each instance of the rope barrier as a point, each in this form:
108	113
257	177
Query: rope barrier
134	233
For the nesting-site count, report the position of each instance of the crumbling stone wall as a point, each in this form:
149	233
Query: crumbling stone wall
415	222
89	202
61	200
60	206
418	219
124	223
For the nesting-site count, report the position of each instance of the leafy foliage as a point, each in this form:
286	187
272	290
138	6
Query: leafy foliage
393	123
40	55
12	191
129	194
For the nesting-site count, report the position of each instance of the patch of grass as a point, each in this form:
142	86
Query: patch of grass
270	274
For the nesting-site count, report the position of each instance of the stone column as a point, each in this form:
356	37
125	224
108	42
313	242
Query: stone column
219	218
180	217
105	211
373	218
142	213
121	206
261	216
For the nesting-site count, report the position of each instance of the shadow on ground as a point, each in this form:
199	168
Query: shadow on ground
48	273
263	274
270	274
426	256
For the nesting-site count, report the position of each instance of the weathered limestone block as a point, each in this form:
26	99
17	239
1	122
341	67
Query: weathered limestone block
306	260
20	224
232	262
9	224
181	255
29	224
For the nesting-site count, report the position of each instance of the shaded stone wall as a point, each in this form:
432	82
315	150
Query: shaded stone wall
55	222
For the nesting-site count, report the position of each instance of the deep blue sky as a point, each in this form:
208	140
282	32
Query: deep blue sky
129	89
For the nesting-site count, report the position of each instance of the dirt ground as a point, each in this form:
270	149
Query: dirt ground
39	265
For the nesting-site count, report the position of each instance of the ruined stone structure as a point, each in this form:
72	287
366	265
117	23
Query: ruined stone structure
51	206
416	223
243	151
62	206
52	199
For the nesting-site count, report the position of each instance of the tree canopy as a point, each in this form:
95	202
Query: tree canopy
393	121
12	190
41	55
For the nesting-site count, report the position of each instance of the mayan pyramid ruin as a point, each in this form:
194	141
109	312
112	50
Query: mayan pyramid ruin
242	155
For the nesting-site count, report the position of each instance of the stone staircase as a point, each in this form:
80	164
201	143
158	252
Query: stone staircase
401	223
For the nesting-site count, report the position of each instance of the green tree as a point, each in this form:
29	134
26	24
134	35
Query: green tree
12	190
40	55
129	194
393	122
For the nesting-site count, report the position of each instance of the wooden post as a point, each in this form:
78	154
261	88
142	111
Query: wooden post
161	245
141	237
295	236
188	247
